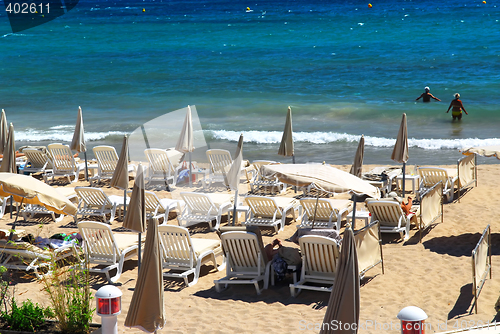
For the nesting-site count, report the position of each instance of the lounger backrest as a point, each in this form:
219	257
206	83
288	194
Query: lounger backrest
175	245
324	210
99	242
151	200
320	255
158	160
432	175
263	206
388	213
93	197
243	251
37	158
199	203
431	206
467	171
368	246
62	157
220	161
106	157
259	163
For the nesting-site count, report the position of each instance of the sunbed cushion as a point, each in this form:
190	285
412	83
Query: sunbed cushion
21	246
203	245
124	241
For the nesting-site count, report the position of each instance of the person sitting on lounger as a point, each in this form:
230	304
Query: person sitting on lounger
426	96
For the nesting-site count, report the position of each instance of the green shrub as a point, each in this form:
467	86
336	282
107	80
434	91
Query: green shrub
28	317
70	294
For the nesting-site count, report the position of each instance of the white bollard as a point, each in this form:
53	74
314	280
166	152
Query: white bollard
109	306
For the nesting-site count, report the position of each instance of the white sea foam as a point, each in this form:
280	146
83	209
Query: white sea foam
59	134
273	137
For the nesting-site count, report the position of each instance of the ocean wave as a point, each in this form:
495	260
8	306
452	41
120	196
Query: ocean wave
56	134
274	137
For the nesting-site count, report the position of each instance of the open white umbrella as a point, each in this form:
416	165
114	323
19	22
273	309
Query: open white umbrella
485	151
135	219
233	176
28	190
323	177
357	166
286	146
120	176
146	308
400	151
78	142
185	143
4	132
343	306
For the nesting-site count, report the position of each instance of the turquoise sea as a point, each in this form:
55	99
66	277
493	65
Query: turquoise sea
344	68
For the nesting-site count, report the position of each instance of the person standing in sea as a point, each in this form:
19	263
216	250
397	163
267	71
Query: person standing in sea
457	105
426	96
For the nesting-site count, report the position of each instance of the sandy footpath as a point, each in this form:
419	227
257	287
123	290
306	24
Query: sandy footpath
435	275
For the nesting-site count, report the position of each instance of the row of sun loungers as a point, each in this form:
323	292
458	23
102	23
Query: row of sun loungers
241	250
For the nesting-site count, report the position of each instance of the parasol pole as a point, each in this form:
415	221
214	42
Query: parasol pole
139	253
15	221
235	204
404	165
86	166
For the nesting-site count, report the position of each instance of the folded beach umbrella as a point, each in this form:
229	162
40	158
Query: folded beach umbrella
9	153
286	147
120	176
357	166
343	305
146	308
232	179
185	143
135	219
400	151
78	142
4	131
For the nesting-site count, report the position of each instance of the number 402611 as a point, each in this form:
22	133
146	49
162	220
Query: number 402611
28	8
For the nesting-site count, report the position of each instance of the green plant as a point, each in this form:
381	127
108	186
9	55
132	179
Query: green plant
69	292
28	317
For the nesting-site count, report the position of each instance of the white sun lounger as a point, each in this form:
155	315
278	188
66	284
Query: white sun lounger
182	253
103	247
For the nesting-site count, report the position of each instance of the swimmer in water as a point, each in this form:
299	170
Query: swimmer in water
457	105
426	96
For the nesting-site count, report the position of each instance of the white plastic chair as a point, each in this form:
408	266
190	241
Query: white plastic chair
319	264
107	158
94	202
182	253
327	216
160	166
391	217
63	162
37	162
430	176
220	164
258	180
200	208
103	247
265	211
25	256
246	260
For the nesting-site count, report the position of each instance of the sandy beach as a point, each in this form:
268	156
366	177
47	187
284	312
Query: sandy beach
435	275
